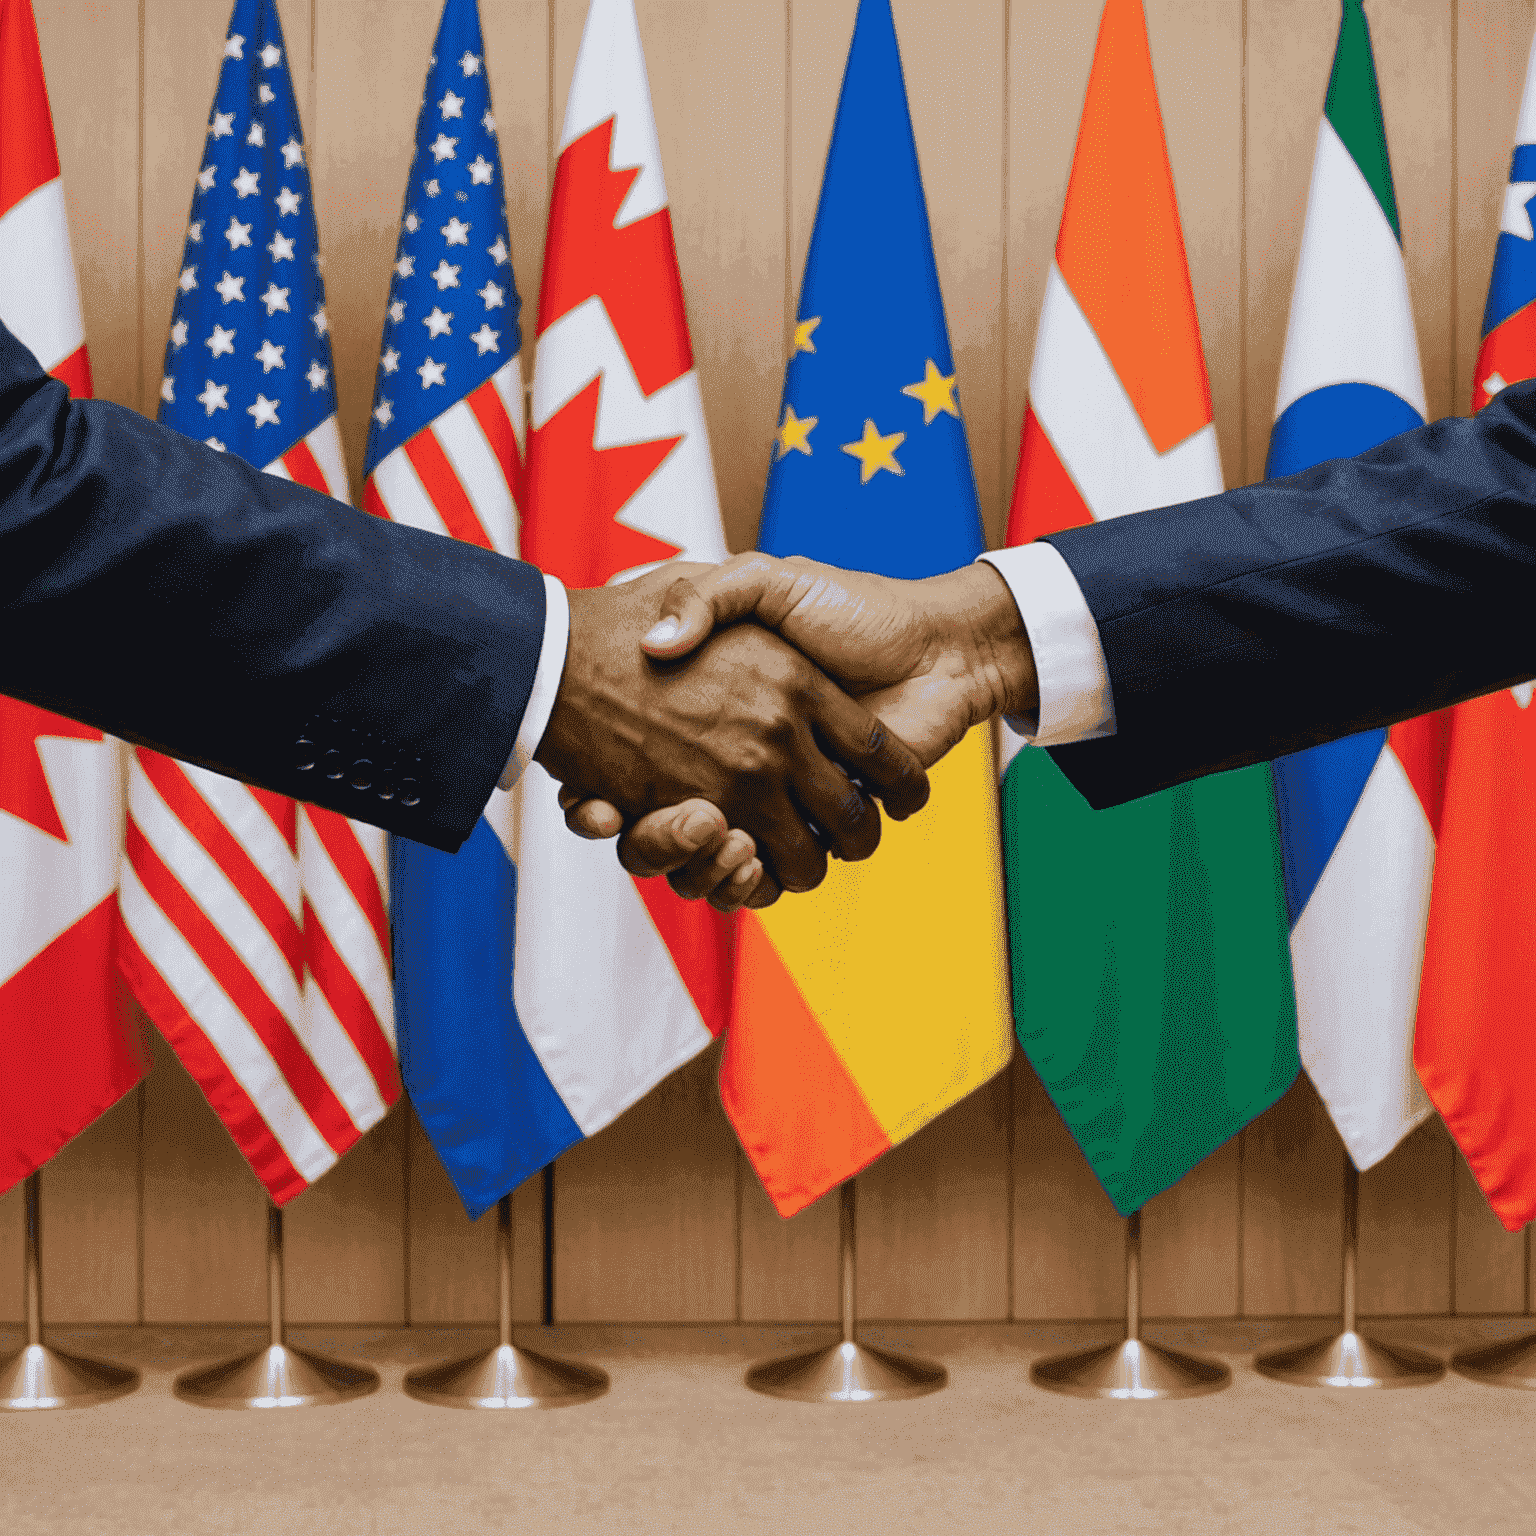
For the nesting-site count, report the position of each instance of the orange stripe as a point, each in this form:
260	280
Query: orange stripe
228	1100
443	488
801	1143
1121	250
301	463
339	839
350	1005
491	413
224	964
1044	498
228	852
75	373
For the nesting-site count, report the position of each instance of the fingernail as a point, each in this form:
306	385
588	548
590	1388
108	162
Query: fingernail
698	827
663	633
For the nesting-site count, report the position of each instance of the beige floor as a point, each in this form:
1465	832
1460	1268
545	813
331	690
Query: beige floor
679	1445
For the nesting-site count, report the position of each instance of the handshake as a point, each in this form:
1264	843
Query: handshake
737	723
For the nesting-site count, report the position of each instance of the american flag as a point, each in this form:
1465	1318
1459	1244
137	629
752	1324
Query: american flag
254	929
444	454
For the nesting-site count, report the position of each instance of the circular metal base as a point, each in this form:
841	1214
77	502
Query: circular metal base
1132	1370
506	1377
847	1373
1348	1360
40	1377
276	1377
1510	1364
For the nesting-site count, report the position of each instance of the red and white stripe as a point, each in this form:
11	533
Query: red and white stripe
460	475
256	935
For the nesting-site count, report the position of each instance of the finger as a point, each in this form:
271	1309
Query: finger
732	894
788	848
693	606
714	865
667	839
876	757
768	891
592	819
848	820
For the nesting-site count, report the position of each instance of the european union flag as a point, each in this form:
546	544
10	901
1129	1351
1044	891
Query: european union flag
871	470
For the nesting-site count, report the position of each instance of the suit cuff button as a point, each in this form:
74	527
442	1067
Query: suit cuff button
409	792
362	774
331	763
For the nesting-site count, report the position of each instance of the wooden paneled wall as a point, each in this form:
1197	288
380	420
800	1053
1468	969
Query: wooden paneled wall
991	1212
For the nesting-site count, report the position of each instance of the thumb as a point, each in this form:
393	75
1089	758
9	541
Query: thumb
693	606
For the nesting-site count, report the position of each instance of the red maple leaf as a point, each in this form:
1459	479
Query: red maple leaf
633	270
576	489
24	790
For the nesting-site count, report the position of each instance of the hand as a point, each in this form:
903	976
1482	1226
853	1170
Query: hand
742	725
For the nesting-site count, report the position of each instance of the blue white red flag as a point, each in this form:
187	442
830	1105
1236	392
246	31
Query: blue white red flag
1357	847
254	929
444	454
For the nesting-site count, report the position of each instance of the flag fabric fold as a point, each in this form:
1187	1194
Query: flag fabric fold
69	1051
1151	985
254	930
1474	770
1358	848
865	1008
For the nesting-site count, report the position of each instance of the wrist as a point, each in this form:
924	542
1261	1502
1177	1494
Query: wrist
976	613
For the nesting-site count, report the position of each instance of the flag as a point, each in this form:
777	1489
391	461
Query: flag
1150	979
68	1052
1474	770
254	929
1358	849
618	981
865	1008
445	455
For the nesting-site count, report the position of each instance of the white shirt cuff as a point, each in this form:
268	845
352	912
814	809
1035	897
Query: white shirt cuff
1076	703
546	682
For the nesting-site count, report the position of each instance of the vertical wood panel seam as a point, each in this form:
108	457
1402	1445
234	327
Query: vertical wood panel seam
1242	255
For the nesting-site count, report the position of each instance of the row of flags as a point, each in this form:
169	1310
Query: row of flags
1356	910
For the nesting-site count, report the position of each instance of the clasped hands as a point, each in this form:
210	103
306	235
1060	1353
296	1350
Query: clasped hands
738	723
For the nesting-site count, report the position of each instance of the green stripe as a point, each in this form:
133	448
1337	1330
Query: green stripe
1151	966
1354	108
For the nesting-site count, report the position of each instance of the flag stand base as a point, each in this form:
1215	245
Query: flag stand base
1510	1364
39	1377
847	1372
1132	1370
1348	1359
277	1376
506	1376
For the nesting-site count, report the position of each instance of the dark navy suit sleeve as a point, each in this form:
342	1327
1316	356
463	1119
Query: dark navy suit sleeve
1249	625
178	598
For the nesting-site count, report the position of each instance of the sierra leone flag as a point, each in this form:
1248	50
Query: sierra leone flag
1357	845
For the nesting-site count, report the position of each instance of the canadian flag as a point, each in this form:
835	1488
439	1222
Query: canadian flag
616	981
68	1051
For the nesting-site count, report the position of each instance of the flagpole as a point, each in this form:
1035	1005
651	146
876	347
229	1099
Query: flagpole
1348	1359
506	1376
278	1376
40	1377
1132	1370
847	1372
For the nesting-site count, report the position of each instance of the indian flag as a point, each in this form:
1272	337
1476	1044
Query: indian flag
1151	982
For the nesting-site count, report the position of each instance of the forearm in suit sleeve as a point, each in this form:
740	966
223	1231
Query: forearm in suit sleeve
176	597
1256	623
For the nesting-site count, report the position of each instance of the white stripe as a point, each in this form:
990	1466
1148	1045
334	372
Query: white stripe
215	894
404	496
1084	410
39	301
250	825
338	911
483	480
325	443
1351	319
609	80
508	383
597	991
277	469
338	1060
1356	951
238	1045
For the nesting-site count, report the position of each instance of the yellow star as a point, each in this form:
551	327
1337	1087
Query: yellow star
936	391
795	432
803	329
875	452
